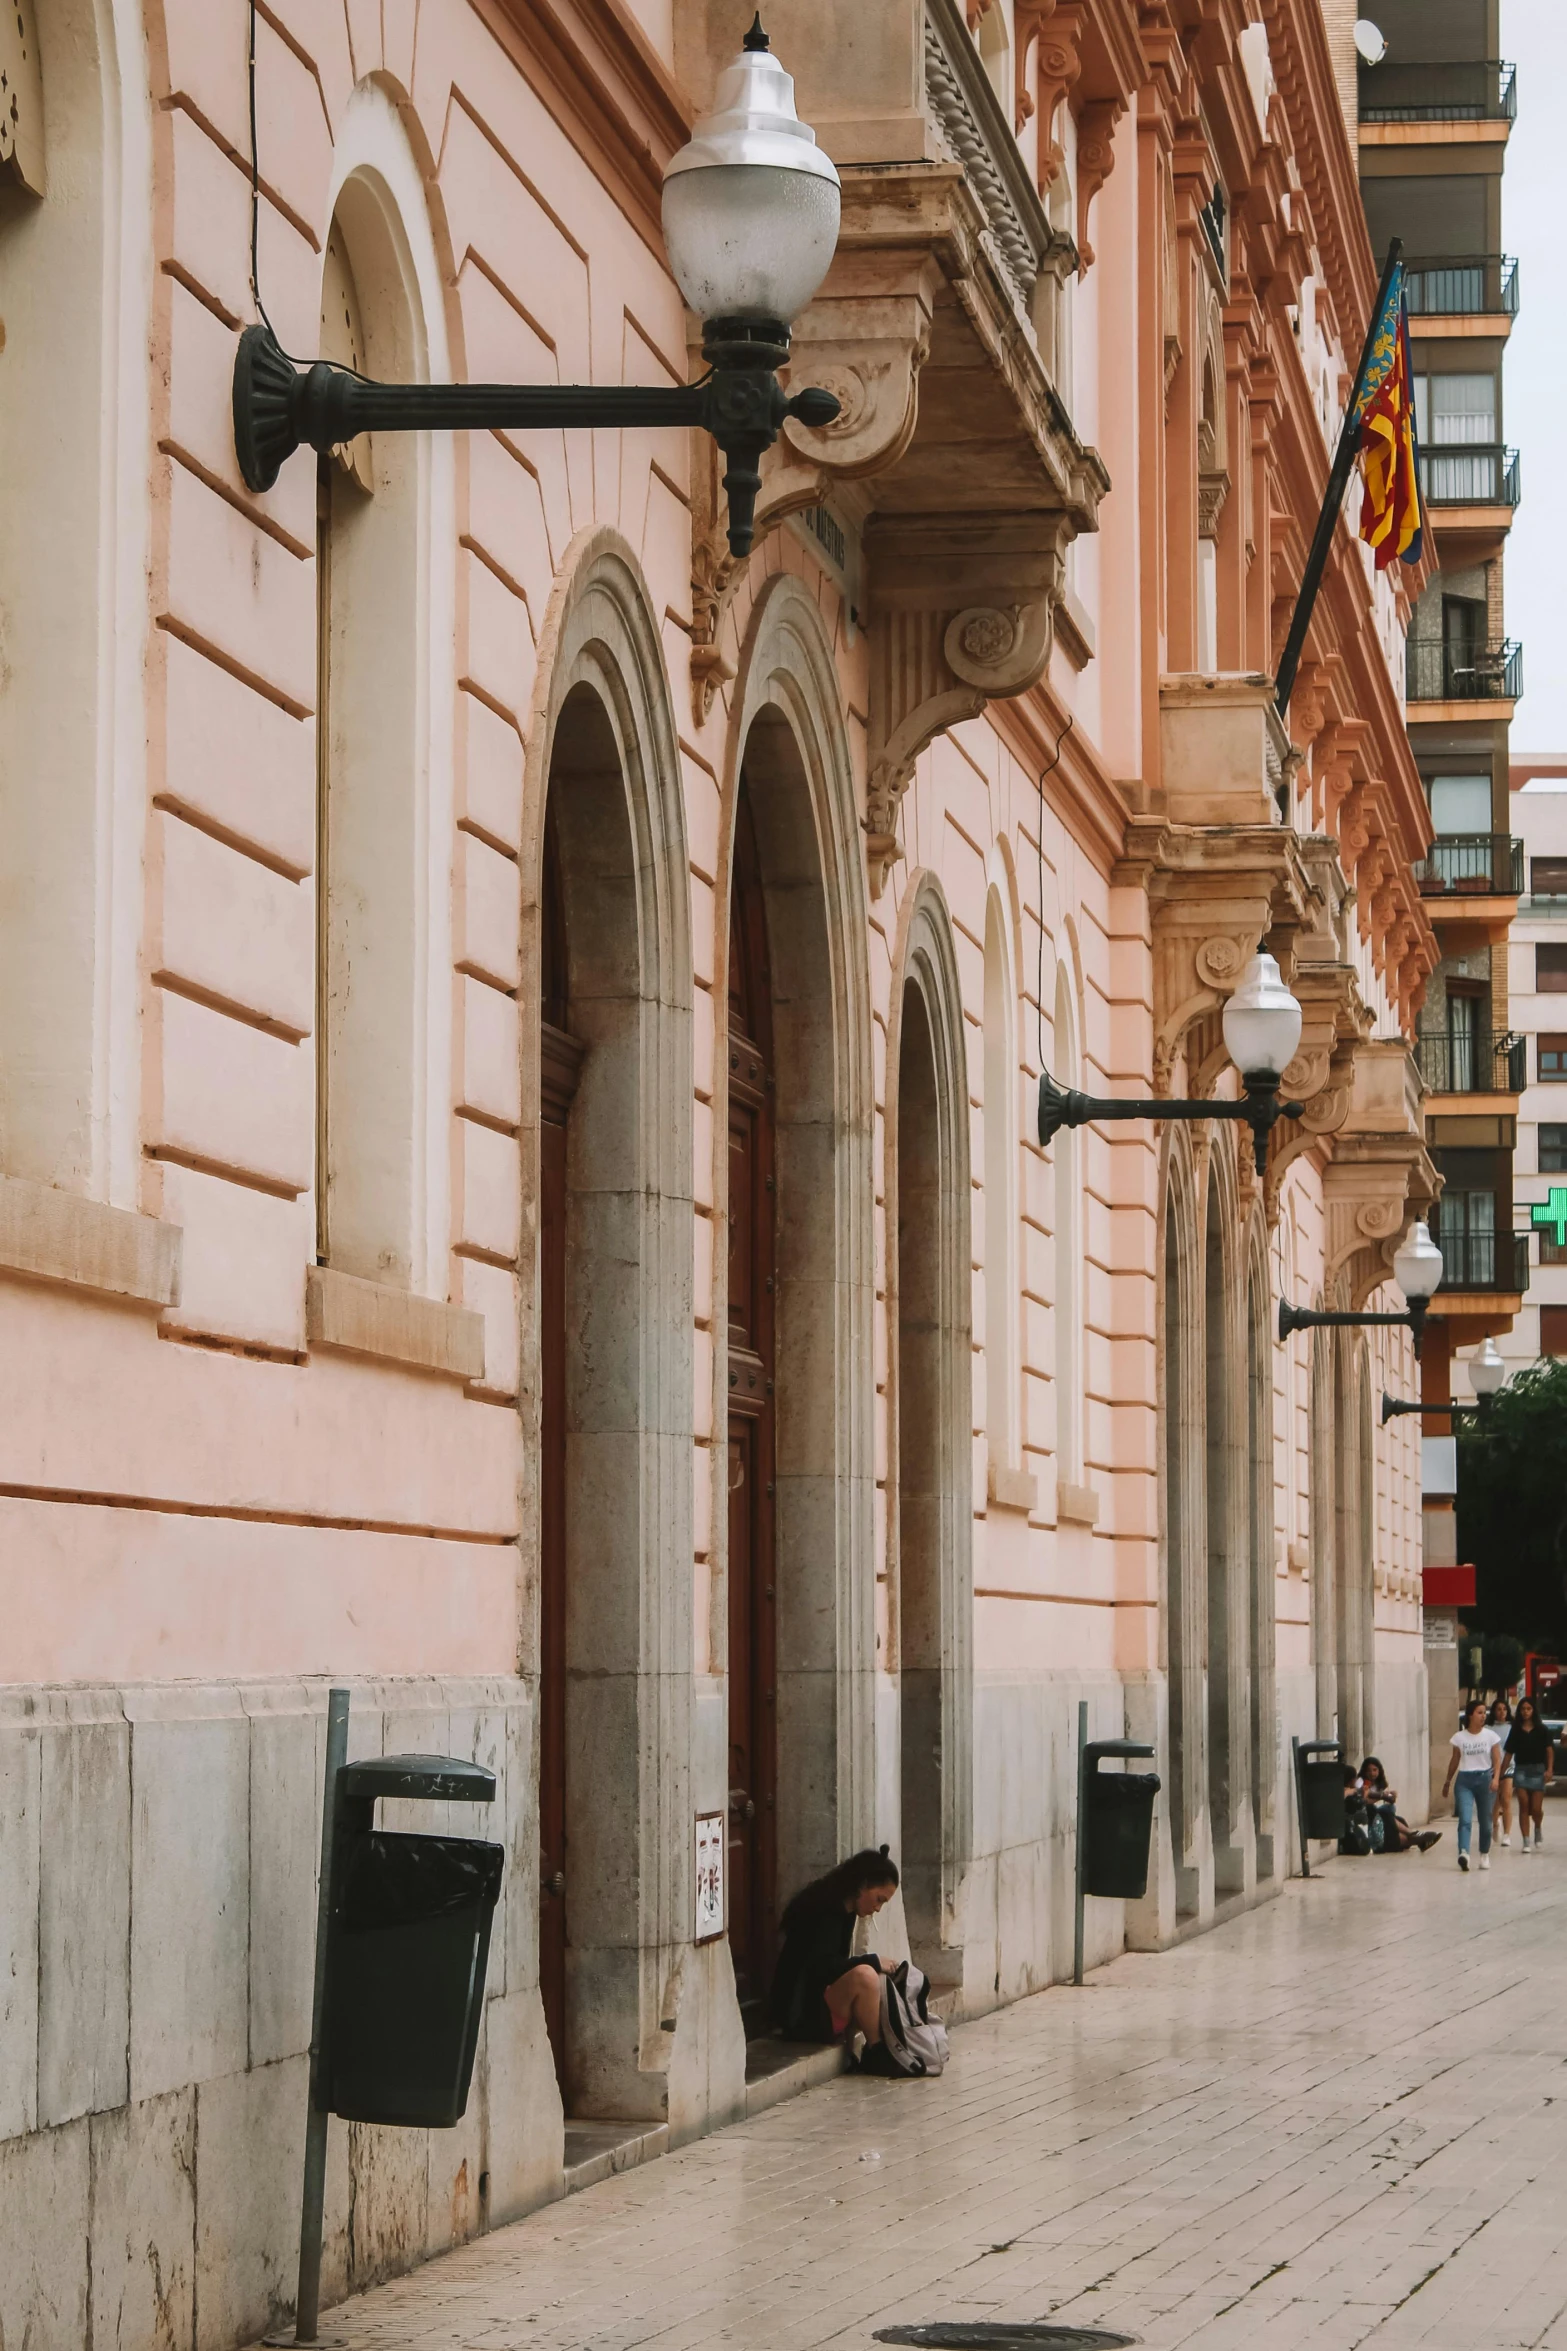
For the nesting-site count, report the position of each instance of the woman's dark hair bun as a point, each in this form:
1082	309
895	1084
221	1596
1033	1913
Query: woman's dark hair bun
884	1850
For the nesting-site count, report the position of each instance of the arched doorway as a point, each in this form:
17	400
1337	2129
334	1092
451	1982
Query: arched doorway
1263	1638
753	1423
1185	1626
608	1346
933	1577
1228	1612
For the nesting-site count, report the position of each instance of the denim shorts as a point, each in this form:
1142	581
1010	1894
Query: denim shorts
1533	1780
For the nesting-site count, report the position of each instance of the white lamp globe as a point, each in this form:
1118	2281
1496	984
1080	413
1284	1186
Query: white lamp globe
1417	1267
1261	1021
1487	1371
751	205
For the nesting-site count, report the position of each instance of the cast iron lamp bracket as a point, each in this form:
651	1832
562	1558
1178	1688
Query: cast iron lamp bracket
279	408
1393	1407
1310	1318
1259	1106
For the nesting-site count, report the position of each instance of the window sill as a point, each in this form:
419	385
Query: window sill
371	1318
1079	1505
54	1236
1012	1489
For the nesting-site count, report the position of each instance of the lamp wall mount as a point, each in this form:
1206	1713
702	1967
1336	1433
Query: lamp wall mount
1311	1318
1394	1407
1259	1106
280	407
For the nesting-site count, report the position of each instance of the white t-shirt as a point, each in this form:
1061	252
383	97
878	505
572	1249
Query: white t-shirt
1475	1748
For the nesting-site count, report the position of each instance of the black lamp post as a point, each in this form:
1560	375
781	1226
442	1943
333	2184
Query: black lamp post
1261	1032
751	210
1487	1377
1417	1269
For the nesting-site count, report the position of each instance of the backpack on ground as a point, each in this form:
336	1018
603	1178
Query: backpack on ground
1357	1827
912	2040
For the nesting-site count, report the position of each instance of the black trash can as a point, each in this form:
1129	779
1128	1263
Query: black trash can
409	1942
1322	1795
1119	1832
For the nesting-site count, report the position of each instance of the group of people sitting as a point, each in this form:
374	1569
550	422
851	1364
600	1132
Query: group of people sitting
1372	1821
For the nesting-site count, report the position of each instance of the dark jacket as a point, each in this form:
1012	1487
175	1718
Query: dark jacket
817	1949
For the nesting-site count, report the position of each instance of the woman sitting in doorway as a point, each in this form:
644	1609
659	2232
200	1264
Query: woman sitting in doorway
820	1992
1381	1802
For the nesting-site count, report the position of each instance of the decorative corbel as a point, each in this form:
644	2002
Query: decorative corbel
1054	29
930	669
1096	129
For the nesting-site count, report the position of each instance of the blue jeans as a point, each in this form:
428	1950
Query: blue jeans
1474	1797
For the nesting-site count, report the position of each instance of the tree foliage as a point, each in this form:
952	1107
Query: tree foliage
1512	1507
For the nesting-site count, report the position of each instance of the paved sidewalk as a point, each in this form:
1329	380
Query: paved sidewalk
1335	2122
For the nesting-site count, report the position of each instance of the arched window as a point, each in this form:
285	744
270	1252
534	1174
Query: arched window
1068	1218
1002	1302
73	592
376	1139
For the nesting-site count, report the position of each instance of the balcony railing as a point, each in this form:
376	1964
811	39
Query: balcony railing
1439	672
1472	1065
1461	285
1480	865
1480	473
1483	1261
1414	90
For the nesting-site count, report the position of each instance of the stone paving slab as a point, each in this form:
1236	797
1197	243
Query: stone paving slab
1335	2122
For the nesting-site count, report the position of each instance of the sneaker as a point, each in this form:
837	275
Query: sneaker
1504	1838
1463	1861
1485	1861
1526	1847
1426	1839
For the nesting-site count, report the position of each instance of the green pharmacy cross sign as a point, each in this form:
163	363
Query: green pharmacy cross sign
1551	1215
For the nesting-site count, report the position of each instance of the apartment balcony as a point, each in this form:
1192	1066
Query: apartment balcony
1415	90
1497	1262
1475	865
1487	672
1479	473
1472	1065
1461	285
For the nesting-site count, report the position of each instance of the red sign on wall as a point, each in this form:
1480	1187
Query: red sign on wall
1449	1587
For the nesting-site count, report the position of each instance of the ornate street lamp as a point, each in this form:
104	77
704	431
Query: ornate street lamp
1417	1269
1261	1032
750	223
1487	1377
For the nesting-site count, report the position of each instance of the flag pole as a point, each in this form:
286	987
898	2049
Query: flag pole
1333	499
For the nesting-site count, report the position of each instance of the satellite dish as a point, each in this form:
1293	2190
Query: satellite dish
1371	41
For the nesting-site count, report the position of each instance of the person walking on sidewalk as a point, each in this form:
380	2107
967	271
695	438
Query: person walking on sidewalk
1533	1761
1476	1763
1502	1805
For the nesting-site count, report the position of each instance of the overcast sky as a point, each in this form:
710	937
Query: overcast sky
1534	214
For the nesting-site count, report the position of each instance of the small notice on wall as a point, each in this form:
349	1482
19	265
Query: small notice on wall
1441	1630
709	1876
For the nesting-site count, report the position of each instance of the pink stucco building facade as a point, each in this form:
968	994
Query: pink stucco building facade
518	1042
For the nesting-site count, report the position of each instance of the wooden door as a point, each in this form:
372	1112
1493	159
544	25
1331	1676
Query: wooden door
560	1068
753	1728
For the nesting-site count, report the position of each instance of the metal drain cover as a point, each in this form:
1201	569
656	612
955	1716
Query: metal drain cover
1018	2335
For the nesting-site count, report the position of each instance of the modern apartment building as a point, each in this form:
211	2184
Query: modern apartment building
1539	1005
1434	115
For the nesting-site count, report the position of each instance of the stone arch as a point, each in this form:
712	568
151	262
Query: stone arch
930	1282
1226	1520
76	275
1353	1543
602	747
1066	1155
386	590
789	753
1182	1490
1003	1337
1261	1540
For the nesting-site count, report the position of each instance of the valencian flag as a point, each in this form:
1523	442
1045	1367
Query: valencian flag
1390	519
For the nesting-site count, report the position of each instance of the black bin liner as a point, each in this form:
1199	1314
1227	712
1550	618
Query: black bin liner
1322	1795
1119	1832
410	1942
